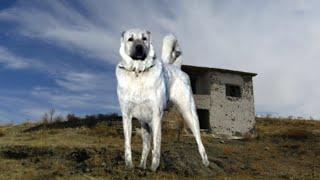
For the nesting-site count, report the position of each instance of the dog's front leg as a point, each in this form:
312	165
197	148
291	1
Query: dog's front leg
127	130
146	138
156	130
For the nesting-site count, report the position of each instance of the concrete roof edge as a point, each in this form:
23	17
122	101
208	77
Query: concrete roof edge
218	69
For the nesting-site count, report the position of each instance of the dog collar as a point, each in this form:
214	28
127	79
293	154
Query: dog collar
133	70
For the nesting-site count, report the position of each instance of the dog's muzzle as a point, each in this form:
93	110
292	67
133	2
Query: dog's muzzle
139	53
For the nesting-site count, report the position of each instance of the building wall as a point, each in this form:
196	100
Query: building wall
228	116
231	115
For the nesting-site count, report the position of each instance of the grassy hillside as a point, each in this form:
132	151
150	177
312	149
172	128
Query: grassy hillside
78	150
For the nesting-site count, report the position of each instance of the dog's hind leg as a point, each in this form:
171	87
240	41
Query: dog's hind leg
146	138
181	95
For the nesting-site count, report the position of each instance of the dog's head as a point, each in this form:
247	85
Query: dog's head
136	43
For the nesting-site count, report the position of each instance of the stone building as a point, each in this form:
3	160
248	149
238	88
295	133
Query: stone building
224	100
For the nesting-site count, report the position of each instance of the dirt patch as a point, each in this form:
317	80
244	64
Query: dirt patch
21	152
80	155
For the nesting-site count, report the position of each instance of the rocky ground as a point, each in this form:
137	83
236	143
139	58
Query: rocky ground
284	149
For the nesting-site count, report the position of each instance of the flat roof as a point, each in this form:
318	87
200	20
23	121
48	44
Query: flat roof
211	69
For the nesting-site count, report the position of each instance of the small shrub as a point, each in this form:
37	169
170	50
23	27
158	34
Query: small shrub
58	119
48	117
51	114
45	118
2	133
72	117
296	133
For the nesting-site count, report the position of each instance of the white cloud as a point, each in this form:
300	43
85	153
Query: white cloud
38	112
83	81
24	108
81	90
12	61
70	101
278	40
60	24
5	118
74	91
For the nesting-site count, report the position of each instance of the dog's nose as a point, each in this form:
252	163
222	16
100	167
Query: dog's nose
139	49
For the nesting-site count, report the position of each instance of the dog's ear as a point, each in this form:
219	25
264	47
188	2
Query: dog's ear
149	35
122	34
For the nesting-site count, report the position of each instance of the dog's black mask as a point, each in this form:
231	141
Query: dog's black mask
138	52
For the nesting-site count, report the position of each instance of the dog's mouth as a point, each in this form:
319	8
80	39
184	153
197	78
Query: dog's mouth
139	57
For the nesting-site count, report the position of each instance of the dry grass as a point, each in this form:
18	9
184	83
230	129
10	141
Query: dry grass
284	149
296	133
105	130
227	150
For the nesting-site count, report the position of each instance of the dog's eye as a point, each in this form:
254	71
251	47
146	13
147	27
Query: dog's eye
144	38
130	39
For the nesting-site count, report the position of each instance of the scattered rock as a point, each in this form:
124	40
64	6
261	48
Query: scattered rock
80	155
218	162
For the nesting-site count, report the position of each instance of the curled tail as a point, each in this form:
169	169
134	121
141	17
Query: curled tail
171	51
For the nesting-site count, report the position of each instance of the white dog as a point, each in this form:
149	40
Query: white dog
146	85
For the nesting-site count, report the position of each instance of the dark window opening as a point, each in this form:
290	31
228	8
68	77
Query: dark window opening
200	84
203	115
193	84
233	90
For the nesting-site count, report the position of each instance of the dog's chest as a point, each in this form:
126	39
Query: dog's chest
141	93
139	88
136	88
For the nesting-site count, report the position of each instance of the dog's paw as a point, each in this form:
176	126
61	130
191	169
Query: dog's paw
142	165
154	168
155	165
129	165
205	162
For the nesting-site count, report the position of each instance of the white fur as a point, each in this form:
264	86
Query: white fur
171	51
144	94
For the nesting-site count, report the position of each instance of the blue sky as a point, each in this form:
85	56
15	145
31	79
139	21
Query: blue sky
62	54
